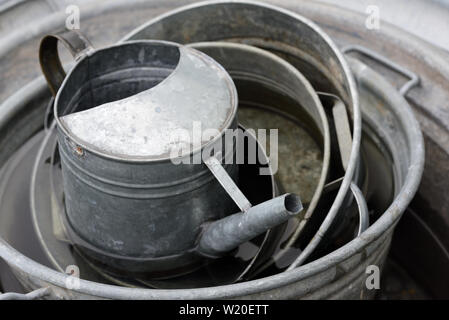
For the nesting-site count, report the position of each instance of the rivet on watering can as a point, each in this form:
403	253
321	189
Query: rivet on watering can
79	151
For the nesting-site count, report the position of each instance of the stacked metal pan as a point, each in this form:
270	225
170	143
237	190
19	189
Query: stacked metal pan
283	65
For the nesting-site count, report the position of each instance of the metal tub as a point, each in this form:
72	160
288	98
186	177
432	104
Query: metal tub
319	279
340	274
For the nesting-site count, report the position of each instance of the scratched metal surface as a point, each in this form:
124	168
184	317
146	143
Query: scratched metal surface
160	121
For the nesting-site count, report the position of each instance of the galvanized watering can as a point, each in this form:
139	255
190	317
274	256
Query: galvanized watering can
130	204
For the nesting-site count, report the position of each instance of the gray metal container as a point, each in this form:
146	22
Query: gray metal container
135	212
340	274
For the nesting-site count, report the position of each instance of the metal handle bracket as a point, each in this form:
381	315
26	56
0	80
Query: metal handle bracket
414	78
51	66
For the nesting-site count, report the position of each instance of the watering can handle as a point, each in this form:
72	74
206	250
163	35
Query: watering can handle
51	66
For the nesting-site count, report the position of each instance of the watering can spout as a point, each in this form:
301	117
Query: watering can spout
228	233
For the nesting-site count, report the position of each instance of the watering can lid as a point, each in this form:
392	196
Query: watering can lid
187	110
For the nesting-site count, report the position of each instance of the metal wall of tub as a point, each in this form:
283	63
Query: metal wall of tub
344	26
341	274
267	284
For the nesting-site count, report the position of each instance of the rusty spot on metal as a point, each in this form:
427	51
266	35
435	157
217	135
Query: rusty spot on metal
79	151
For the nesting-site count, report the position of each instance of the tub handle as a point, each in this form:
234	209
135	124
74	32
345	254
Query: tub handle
51	66
413	77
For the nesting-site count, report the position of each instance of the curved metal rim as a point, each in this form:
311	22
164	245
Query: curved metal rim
56	20
88	287
382	225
